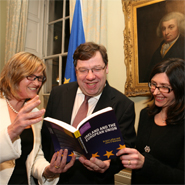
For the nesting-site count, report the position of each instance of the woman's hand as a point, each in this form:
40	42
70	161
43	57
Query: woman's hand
131	158
58	164
25	118
95	164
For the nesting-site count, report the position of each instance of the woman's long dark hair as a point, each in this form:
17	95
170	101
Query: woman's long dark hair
175	70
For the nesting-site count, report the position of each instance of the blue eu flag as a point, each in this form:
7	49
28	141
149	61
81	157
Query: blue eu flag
77	37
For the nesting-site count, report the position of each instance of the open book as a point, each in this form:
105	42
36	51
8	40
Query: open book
98	135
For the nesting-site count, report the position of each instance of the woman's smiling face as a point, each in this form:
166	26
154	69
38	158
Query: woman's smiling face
29	89
162	99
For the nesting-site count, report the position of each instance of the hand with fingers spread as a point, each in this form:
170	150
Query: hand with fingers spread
58	164
95	164
131	158
26	117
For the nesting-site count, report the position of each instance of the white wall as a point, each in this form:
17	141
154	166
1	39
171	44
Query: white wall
115	48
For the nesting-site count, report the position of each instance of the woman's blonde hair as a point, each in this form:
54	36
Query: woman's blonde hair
18	67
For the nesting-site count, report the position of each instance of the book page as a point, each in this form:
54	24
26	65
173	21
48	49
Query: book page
93	115
61	124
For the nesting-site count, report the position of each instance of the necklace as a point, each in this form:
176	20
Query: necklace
10	104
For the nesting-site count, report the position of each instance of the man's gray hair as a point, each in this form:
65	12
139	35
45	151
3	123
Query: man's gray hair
172	15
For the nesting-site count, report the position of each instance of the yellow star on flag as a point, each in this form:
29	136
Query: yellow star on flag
121	147
66	80
95	155
68	155
108	154
71	154
58	153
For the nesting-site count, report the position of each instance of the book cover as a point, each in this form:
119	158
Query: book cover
98	135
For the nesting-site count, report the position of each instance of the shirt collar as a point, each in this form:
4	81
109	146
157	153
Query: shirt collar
170	43
79	92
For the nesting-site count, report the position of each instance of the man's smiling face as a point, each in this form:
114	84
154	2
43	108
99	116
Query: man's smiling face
93	82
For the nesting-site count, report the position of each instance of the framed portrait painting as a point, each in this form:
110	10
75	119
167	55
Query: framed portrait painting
141	41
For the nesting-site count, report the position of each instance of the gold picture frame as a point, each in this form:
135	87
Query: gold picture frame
141	20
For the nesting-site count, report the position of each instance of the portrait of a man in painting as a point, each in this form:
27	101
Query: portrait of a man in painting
172	29
154	31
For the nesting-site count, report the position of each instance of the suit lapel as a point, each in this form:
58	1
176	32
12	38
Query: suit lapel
4	114
105	99
68	102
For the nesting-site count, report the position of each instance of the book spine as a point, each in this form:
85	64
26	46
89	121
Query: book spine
82	144
77	134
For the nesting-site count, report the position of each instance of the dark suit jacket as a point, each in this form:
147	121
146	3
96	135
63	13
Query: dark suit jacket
176	51
60	106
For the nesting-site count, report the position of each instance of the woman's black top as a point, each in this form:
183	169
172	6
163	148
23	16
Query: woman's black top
19	175
164	159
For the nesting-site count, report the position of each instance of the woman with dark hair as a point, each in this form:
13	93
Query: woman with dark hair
21	157
159	154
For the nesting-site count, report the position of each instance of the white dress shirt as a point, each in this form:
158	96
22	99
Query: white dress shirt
79	100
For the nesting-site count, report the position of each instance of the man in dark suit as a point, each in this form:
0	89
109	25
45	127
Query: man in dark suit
171	27
91	65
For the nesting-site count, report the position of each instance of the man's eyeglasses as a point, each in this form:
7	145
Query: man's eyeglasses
85	71
162	89
34	77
